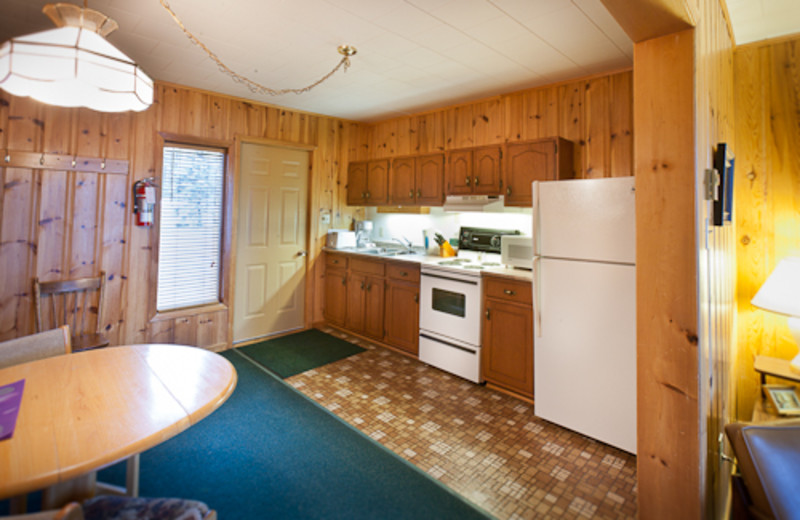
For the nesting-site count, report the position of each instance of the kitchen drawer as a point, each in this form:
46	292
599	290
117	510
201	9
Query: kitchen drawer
405	271
366	266
507	289
335	260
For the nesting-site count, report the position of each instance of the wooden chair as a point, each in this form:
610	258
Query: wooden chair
72	302
35	346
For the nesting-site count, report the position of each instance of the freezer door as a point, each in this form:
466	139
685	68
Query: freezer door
585	358
592	219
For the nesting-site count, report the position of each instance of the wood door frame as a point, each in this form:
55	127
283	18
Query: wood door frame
225	293
238	142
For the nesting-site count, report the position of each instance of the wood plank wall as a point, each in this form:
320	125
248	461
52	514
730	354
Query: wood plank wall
767	98
717	255
684	104
595	113
65	225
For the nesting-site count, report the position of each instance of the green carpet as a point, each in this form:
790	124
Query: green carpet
294	354
271	452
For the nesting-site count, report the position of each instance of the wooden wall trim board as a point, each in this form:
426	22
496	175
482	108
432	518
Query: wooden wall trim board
666	251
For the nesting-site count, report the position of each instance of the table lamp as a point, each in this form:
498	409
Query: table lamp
781	294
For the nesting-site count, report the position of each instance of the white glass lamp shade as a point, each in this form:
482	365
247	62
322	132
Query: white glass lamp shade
73	67
781	294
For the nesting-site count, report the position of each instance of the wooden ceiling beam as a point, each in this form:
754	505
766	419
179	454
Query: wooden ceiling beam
647	19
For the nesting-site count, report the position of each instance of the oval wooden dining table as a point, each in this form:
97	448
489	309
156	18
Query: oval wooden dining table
84	411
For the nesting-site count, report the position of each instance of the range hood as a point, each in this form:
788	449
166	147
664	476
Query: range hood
474	203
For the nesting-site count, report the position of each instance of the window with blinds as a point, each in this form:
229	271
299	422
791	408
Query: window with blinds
190	239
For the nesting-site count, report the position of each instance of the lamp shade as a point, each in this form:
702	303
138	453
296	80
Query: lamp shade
73	67
781	291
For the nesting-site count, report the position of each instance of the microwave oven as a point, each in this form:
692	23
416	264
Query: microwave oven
516	251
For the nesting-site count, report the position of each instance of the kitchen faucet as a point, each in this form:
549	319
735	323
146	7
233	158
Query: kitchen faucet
405	243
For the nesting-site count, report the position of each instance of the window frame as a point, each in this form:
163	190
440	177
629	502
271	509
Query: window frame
166	140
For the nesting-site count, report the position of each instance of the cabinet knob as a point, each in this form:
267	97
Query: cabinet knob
508	190
404	273
509	292
419	193
369	287
416	298
334	261
368	195
467	180
488	314
363	194
411	194
362	286
476	181
344	280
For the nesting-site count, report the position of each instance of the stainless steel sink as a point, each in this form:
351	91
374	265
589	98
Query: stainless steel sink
383	251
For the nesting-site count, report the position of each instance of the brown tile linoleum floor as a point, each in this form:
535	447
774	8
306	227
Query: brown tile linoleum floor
485	445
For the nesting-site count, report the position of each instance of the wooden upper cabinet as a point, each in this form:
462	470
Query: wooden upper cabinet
402	181
356	183
367	183
486	172
541	160
417	181
430	180
458	174
474	171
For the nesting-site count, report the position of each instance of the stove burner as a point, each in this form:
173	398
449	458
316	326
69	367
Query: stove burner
455	261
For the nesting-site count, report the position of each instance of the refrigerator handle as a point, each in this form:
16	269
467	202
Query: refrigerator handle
536	247
537	297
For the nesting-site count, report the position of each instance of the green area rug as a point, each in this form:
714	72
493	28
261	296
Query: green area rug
271	452
294	354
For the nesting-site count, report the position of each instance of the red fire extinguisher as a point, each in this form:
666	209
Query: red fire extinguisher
144	201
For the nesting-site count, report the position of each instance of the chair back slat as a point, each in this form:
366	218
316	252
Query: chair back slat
77	303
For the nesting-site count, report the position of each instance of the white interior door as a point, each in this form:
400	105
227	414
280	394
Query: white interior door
271	241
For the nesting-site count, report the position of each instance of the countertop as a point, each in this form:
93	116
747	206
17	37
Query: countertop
521	274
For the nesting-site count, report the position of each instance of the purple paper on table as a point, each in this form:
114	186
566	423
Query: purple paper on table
10	398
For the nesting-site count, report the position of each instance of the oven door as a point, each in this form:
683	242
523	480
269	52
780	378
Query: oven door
450	305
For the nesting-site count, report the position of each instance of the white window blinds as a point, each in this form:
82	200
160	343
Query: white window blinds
190	239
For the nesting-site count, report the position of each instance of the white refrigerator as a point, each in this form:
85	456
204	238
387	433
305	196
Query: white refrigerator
584	286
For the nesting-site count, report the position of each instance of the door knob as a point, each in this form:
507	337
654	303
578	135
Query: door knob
305	253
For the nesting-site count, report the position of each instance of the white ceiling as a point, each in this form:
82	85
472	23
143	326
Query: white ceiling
413	55
755	20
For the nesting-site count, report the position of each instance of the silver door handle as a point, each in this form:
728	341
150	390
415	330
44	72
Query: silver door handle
537	298
305	253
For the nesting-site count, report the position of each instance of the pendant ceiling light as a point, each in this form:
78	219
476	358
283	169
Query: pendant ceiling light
74	65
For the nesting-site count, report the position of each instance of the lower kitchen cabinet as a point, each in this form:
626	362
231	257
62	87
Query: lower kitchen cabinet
373	297
401	317
508	334
364	309
335	288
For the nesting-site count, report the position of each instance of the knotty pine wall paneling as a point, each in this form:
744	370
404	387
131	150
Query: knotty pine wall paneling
65	225
595	113
767	99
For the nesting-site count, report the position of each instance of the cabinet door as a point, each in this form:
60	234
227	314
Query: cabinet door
335	296
458	174
356	183
373	307
525	163
401	182
486	172
508	346
430	180
354	312
401	316
378	182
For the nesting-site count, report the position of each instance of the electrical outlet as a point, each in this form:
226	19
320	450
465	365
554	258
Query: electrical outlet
325	218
